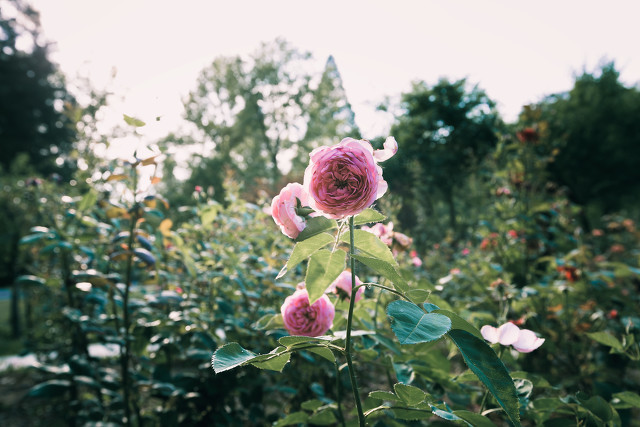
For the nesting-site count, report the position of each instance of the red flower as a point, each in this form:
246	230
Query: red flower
571	273
528	135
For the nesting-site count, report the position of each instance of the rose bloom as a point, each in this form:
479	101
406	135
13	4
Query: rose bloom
300	318
283	209
345	179
342	286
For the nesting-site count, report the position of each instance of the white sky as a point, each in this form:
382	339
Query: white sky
516	51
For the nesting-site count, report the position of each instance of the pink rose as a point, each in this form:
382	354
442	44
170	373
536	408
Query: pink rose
283	209
342	286
300	318
383	232
345	179
523	340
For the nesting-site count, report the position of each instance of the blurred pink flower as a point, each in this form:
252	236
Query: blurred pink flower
465	251
342	286
198	189
402	239
384	232
300	318
283	209
523	340
513	234
345	179
416	261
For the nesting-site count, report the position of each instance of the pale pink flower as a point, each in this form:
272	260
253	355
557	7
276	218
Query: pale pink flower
465	251
527	341
390	149
300	318
283	209
402	239
342	286
417	262
384	232
344	179
523	340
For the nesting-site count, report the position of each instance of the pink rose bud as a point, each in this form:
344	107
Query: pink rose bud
342	286
300	318
283	209
417	262
403	239
344	179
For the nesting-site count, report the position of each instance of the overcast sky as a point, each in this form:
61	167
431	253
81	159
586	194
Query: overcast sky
516	51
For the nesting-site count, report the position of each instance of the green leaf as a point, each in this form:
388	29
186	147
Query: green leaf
312	405
274	361
384	269
384	395
88	200
410	414
458	322
368	216
628	398
30	280
418	296
209	214
51	388
230	356
324	267
370	245
132	121
607	339
315	226
323	352
303	250
31	238
293	418
409	394
290	341
323	418
488	367
475	420
411	325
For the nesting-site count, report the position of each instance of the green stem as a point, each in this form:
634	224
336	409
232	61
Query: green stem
352	299
339	394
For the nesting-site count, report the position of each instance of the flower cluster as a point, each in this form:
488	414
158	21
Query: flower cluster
523	340
340	181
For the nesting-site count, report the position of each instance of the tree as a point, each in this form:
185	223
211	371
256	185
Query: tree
444	132
32	93
259	111
595	131
329	113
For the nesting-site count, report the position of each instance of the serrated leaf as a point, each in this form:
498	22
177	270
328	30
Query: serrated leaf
132	121
418	296
384	269
488	367
368	216
324	267
409	394
230	356
315	226
295	339
303	250
323	352
411	325
458	322
273	363
370	245
384	395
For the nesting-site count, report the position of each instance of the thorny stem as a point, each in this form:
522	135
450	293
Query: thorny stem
352	374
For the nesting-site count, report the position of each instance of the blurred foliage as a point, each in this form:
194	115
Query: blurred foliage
34	100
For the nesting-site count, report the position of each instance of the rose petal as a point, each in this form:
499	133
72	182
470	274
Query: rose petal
508	333
390	148
527	341
489	333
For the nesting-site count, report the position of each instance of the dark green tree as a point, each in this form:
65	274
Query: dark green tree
33	96
596	133
330	114
444	132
